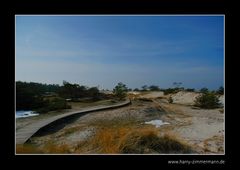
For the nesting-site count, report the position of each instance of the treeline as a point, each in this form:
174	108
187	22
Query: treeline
48	97
29	96
36	88
219	91
76	92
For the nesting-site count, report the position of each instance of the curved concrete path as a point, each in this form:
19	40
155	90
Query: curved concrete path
23	134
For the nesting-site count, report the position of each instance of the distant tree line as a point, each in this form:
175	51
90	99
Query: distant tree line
35	96
30	95
177	87
75	92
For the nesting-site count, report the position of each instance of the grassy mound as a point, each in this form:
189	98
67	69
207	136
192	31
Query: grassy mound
133	140
147	141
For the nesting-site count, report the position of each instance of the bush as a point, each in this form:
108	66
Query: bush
136	89
56	104
120	91
171	91
154	88
170	100
204	90
207	101
190	90
220	91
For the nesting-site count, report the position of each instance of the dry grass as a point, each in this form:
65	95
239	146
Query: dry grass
128	137
49	148
27	149
52	148
107	140
214	144
133	96
147	141
126	140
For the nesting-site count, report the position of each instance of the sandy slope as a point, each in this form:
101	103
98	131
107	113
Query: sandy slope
200	127
188	98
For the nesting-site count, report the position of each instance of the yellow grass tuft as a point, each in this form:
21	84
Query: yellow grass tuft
26	149
136	140
53	148
107	140
49	148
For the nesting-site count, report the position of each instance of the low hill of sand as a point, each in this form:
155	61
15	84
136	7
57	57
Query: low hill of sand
188	98
182	97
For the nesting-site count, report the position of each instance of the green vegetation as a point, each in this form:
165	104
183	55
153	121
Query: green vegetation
75	92
177	84
204	90
171	90
44	98
207	100
120	91
31	95
57	103
71	91
190	90
144	88
220	91
154	88
49	97
36	96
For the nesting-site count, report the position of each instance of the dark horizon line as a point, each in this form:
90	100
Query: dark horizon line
123	83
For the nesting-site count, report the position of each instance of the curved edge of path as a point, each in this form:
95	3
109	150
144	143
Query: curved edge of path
22	135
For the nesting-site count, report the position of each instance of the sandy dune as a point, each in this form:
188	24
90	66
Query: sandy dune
200	127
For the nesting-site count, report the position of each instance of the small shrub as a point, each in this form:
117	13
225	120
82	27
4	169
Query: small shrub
55	104
204	90
120	91
136	89
190	90
148	141
171	90
170	100
220	91
207	101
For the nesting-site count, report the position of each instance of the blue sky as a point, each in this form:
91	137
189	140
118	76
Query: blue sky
135	50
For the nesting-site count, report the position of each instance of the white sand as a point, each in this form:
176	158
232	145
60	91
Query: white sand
182	97
157	123
151	95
